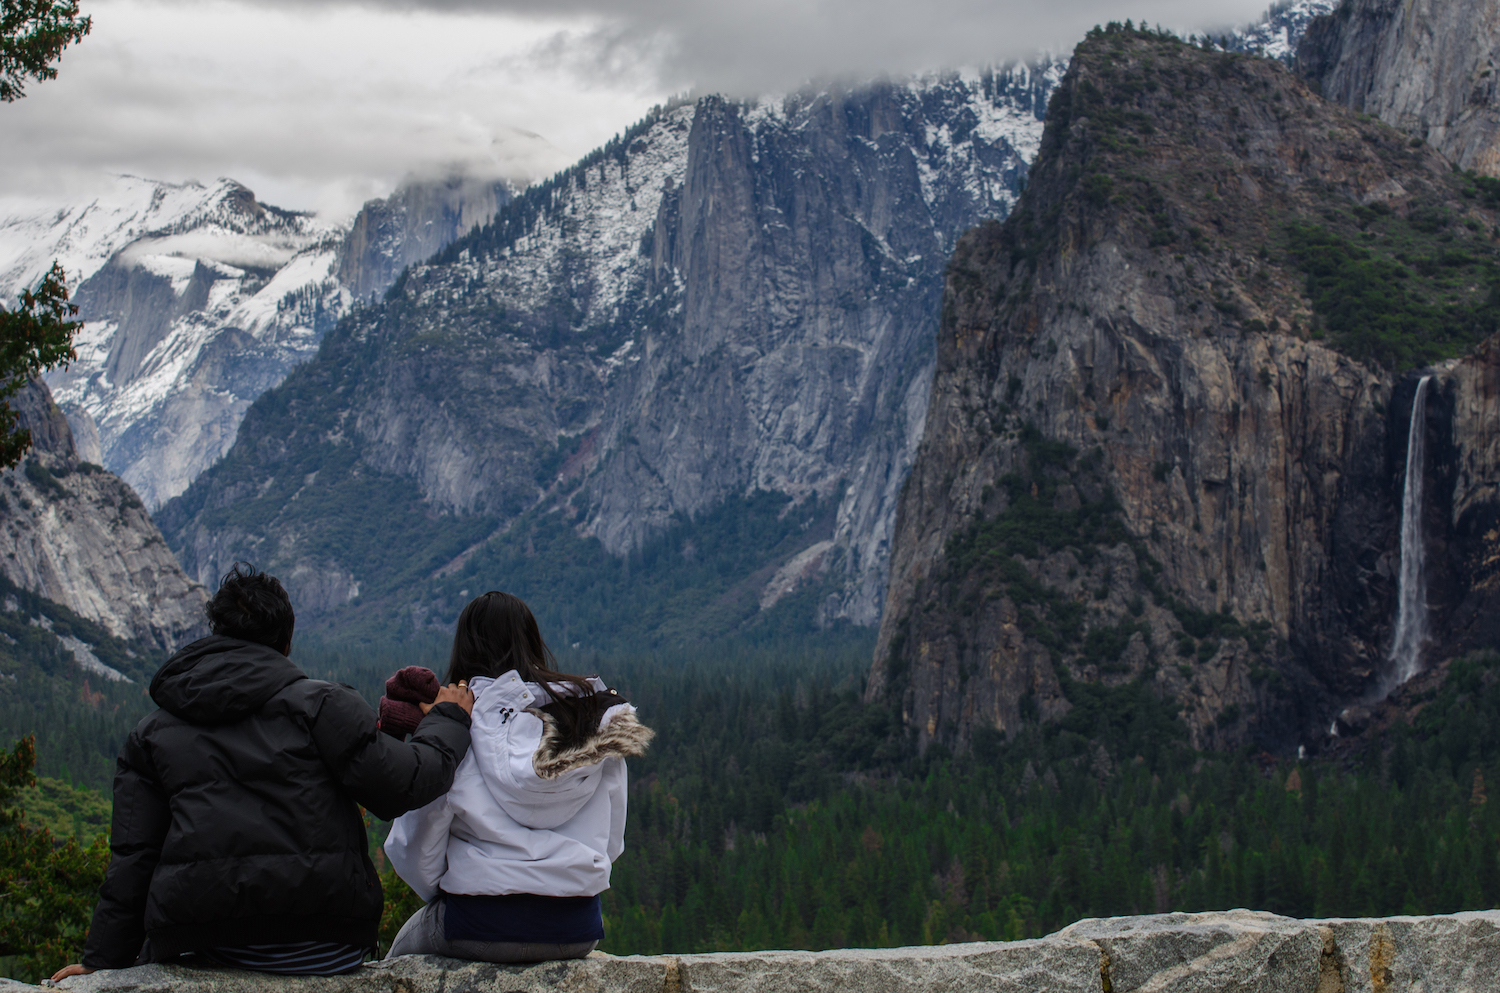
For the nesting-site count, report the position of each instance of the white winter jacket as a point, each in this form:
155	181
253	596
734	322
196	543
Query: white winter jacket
522	817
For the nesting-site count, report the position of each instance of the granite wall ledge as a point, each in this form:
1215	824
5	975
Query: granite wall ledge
1240	951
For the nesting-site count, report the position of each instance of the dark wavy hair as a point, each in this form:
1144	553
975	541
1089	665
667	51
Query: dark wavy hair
497	633
251	606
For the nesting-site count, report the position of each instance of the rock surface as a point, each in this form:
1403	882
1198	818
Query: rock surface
730	297
417	221
734	295
196	299
78	535
1470	446
1427	67
1237	951
1140	308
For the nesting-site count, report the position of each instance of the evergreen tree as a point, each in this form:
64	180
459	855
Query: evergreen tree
36	336
47	888
33	34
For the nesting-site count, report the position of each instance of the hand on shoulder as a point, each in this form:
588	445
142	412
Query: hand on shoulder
453	693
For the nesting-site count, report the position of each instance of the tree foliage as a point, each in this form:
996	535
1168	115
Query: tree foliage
33	34
34	337
47	888
776	809
752	827
37	335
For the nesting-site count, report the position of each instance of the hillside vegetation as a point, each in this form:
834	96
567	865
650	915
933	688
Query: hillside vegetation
776	810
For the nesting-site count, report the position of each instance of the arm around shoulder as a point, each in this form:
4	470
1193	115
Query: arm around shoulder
388	776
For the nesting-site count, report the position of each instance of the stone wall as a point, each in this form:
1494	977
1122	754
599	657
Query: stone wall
1239	950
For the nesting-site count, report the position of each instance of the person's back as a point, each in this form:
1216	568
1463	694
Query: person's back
236	831
513	858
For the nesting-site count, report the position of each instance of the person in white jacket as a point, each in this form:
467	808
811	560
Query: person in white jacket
511	861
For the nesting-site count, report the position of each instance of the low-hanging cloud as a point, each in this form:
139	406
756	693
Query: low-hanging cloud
745	48
313	108
323	103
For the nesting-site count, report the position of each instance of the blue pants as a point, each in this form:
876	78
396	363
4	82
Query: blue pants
422	934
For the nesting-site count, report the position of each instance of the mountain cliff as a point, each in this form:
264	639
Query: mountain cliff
196	299
1426	67
729	298
417	221
1167	434
77	535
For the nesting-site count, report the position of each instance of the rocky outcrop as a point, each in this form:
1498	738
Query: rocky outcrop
1143	459
1240	951
1465	521
411	225
1427	67
206	298
79	536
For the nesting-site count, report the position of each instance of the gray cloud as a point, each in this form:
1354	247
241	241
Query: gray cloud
312	108
321	104
739	47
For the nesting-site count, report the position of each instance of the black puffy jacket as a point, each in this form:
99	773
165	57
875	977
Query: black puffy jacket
236	817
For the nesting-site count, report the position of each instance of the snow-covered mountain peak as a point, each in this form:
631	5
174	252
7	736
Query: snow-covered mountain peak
1275	36
197	298
221	222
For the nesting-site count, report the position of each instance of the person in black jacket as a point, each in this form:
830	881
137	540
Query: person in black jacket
237	832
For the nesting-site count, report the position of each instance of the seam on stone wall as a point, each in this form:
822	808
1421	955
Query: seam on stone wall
1382	957
1331	964
673	978
1106	981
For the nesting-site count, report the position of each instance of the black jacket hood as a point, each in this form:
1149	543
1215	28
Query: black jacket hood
218	680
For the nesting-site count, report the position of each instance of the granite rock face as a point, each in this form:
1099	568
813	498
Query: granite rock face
1464	522
1137	312
205	298
731	297
417	221
1237	951
78	535
1427	67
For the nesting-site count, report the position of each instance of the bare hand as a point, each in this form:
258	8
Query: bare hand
452	693
70	970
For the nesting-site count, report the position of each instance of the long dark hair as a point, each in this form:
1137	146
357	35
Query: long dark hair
497	633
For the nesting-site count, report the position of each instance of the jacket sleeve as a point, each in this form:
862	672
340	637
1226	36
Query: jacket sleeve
418	846
387	776
138	829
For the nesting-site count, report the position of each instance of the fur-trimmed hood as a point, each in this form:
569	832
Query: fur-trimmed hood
619	734
501	701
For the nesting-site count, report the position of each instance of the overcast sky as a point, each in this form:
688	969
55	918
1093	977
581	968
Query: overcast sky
320	105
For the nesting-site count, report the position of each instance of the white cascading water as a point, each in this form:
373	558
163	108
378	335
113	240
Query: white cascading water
1411	609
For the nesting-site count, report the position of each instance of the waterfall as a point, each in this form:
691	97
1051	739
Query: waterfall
1411	610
